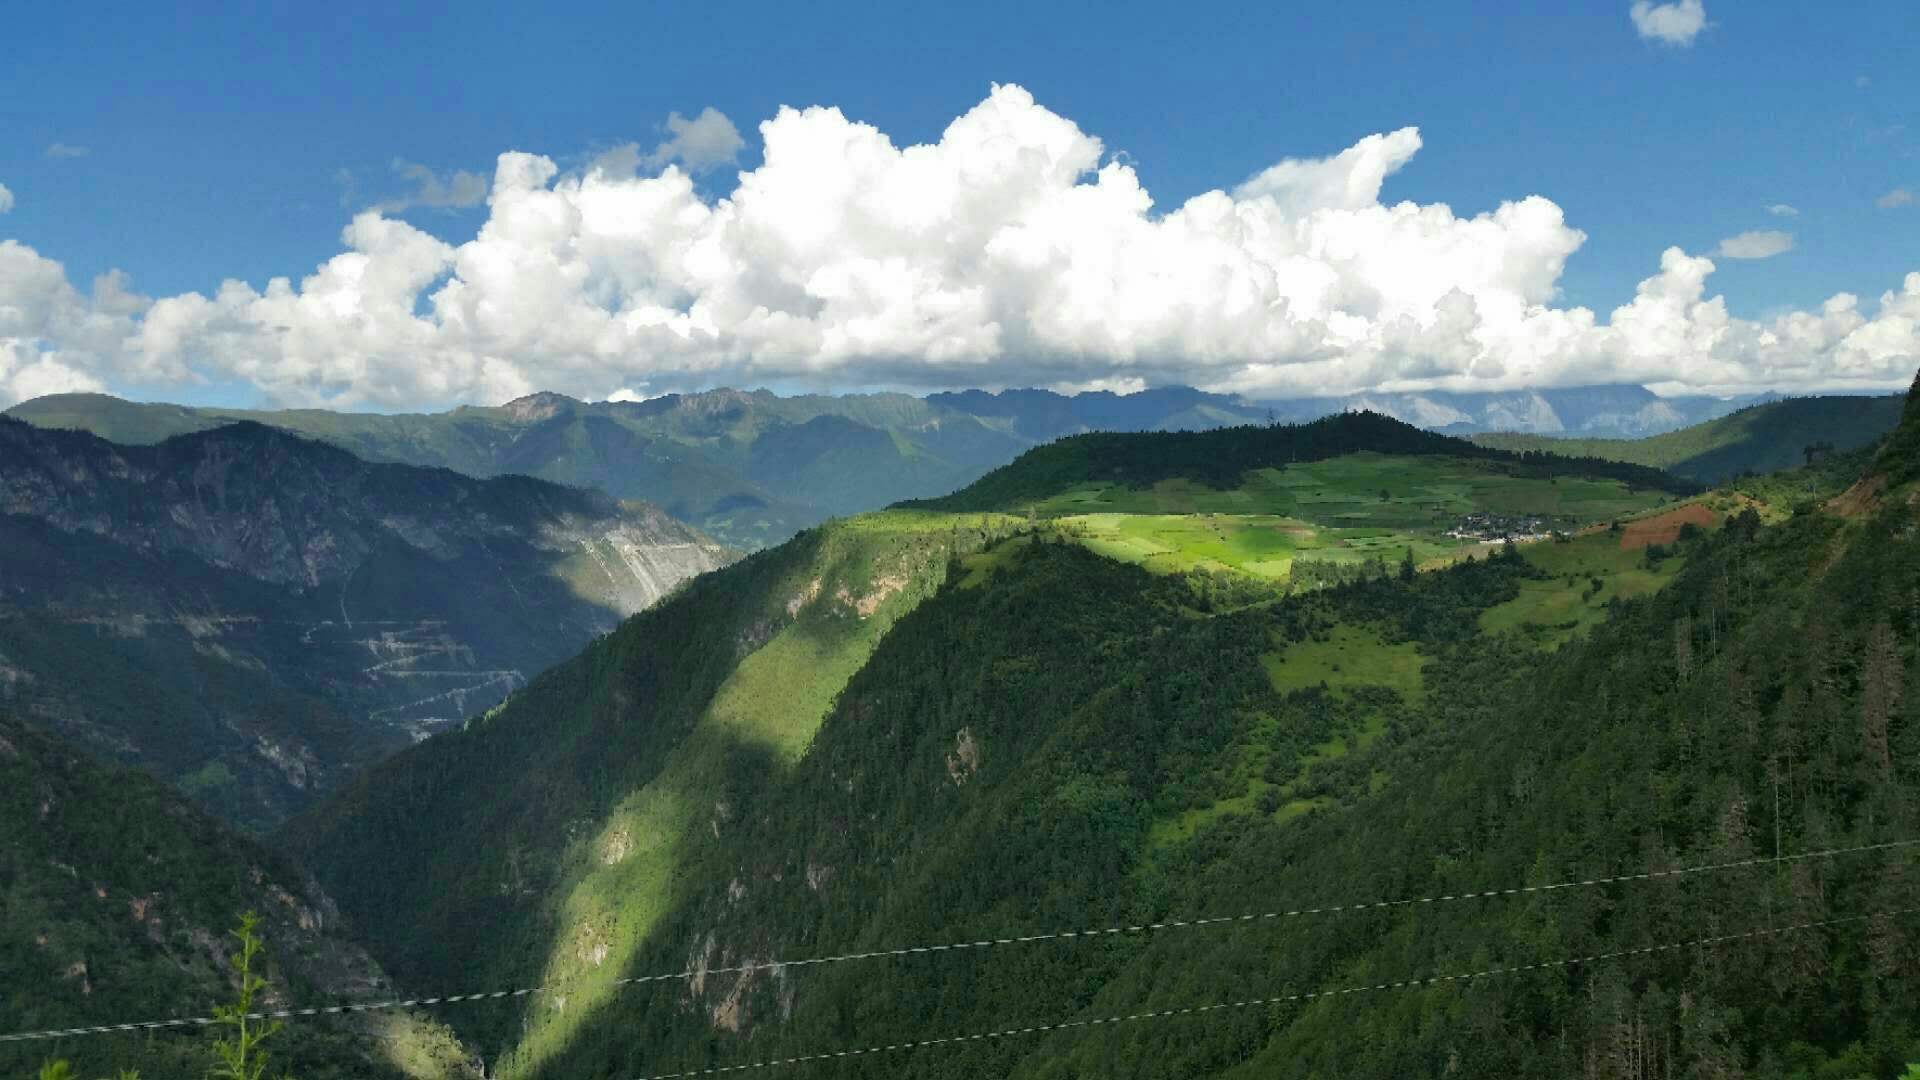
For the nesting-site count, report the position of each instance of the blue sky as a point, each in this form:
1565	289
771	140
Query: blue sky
218	148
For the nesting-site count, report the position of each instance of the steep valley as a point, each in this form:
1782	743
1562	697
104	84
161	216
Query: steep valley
116	899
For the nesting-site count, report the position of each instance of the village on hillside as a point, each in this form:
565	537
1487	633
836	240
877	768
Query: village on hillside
1482	525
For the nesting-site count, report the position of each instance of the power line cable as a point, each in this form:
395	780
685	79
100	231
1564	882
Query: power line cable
982	943
1278	999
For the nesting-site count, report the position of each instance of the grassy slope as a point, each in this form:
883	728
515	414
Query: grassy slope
1581	577
605	768
1761	439
1324	510
1347	489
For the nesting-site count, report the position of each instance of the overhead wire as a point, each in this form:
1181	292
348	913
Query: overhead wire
969	945
1245	1003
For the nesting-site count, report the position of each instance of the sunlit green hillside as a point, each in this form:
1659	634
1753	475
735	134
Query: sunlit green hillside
1308	504
727	681
954	726
1070	743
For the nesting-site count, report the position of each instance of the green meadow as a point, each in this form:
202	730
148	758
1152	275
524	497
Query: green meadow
1348	509
1583	575
1347	657
1388	491
1263	545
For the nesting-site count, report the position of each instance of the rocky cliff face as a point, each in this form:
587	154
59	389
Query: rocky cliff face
253	614
292	511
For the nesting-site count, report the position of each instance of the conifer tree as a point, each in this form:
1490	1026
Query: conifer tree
238	1056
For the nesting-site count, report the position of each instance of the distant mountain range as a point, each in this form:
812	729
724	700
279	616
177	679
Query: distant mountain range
1609	412
1599	411
1757	439
252	615
752	468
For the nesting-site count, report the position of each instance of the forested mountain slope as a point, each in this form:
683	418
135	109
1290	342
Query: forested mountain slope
1053	741
116	898
1758	439
251	615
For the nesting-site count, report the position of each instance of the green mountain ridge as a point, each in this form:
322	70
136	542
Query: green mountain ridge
621	754
1220	458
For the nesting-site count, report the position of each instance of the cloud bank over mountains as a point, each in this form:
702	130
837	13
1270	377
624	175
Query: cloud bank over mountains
1014	251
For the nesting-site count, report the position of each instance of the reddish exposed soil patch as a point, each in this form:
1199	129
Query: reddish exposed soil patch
1862	497
1665	528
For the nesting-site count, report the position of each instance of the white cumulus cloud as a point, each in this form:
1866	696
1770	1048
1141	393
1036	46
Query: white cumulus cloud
1758	244
6	199
52	338
1781	209
1677	23
1014	250
67	150
1349	180
1894	199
